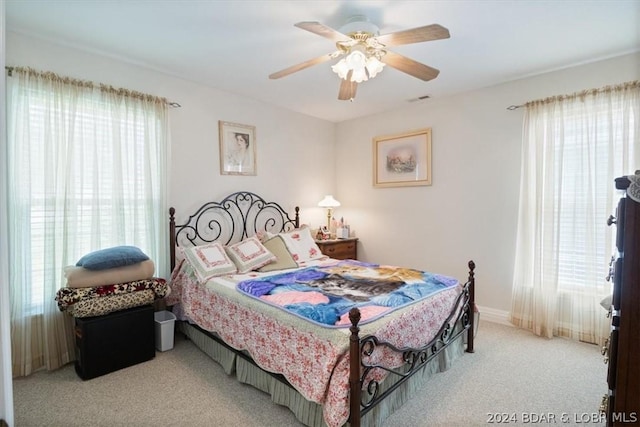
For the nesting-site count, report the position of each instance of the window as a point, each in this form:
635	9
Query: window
87	170
589	144
573	149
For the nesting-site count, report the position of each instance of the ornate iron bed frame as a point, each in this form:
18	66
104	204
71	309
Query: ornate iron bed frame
237	216
243	214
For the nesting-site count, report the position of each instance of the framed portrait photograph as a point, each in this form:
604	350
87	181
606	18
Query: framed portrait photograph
402	160
237	149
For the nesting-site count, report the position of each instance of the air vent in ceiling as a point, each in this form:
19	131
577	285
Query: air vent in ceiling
420	98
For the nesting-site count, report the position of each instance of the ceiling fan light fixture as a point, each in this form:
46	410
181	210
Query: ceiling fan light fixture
363	65
359	75
356	60
374	66
341	69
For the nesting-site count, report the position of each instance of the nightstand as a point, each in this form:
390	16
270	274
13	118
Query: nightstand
339	248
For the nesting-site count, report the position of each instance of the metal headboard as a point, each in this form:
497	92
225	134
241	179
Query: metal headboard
237	216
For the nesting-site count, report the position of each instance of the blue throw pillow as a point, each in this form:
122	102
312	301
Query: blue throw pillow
118	256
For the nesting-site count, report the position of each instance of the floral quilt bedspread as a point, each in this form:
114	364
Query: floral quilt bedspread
325	294
314	359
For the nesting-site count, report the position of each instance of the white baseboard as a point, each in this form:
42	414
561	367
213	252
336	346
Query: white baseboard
493	315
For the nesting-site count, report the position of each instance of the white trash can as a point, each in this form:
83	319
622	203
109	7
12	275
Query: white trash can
164	323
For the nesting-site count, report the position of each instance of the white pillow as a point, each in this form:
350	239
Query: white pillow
209	261
301	244
249	254
606	302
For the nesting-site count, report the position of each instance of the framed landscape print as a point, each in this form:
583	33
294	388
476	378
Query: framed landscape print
237	149
402	160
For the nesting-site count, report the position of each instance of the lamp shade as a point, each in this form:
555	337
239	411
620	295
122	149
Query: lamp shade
328	202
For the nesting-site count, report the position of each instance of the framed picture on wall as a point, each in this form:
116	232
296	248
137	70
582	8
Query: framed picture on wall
402	160
237	149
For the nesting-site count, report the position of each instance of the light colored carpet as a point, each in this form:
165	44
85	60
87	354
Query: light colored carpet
512	372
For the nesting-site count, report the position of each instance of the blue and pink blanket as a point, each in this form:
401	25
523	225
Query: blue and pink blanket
325	294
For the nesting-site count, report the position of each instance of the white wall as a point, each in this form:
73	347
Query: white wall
295	152
470	210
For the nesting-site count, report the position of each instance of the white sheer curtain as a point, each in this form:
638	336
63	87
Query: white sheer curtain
87	170
573	149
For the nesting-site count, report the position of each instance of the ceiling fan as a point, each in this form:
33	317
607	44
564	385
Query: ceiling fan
365	52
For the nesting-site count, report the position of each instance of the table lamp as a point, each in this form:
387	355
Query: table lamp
329	202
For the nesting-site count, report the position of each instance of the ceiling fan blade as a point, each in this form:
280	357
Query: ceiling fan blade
415	35
347	88
409	66
323	30
302	66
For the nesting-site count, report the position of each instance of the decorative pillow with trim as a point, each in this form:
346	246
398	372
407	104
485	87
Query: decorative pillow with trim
301	244
249	254
209	261
117	256
284	259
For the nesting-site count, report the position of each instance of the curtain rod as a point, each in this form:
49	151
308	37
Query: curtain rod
581	94
87	83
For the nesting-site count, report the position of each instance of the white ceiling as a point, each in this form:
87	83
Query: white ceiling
235	45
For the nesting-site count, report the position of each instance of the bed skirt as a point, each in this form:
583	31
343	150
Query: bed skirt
310	413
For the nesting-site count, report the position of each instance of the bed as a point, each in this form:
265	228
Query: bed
327	374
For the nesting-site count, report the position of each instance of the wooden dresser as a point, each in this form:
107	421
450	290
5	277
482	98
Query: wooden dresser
622	404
